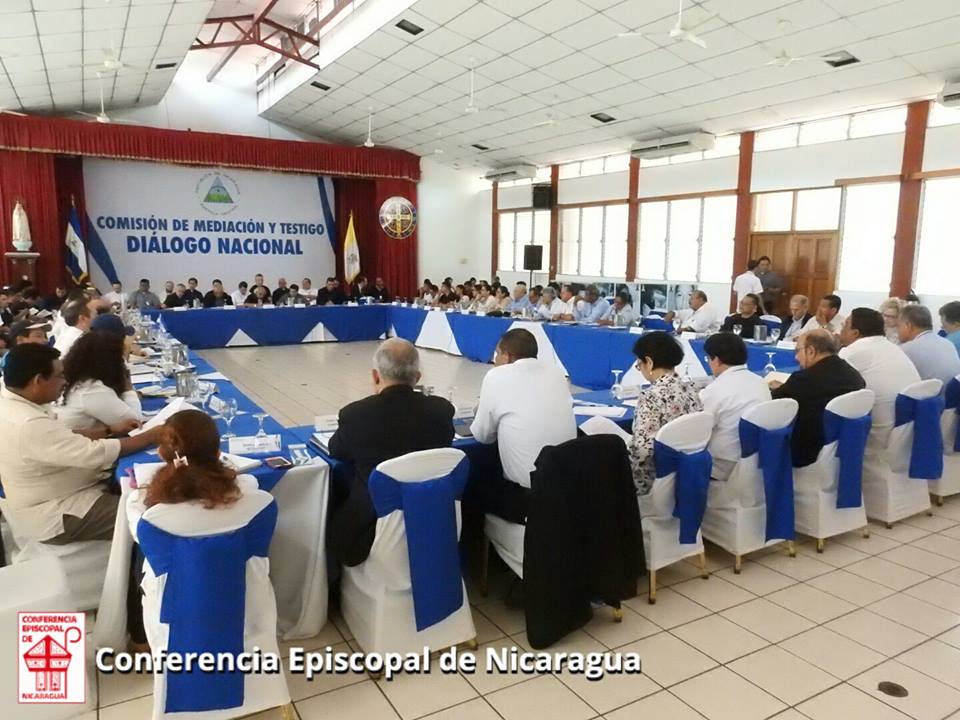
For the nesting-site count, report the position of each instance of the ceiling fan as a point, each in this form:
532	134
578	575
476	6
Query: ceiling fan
679	32
368	143
472	108
8	111
101	117
550	119
784	59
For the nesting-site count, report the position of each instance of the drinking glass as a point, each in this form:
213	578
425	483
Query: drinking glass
737	329
260	416
770	366
616	389
676	325
774	334
228	413
205	390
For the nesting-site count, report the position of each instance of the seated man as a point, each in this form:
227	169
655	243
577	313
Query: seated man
748	318
701	317
524	407
330	294
280	294
620	313
569	299
734	391
77	317
950	321
115	296
178	298
359	289
392	422
25	331
142	298
259	297
258	282
535	297
932	355
379	291
828	315
192	296
217	297
822	377
551	307
593	307
295	297
792	325
239	296
306	289
519	300
53	478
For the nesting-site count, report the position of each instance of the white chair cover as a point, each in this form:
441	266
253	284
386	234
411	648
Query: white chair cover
815	486
377	595
39	584
949	483
661	530
736	516
187	520
889	494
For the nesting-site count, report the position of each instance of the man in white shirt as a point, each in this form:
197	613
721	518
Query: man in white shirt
734	390
77	317
747	283
828	316
239	296
524	407
115	296
53	478
932	355
552	307
306	289
593	308
885	368
569	299
701	317
621	313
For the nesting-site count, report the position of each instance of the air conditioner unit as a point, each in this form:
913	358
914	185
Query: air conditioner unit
514	172
950	95
664	147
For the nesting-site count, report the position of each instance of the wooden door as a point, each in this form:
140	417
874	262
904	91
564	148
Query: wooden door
806	260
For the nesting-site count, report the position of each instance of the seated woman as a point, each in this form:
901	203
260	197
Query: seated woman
98	392
466	298
503	299
667	398
484	301
890	309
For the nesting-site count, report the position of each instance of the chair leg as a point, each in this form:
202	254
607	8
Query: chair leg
889	525
737	564
484	564
471	644
791	548
617	614
938	500
702	559
652	596
820	542
866	531
287	712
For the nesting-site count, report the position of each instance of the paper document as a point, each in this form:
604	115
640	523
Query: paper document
604	411
213	376
175	406
146	379
141	369
604	426
239	462
143	472
780	377
631	402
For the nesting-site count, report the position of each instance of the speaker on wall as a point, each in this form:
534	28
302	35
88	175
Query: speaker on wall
532	257
543	196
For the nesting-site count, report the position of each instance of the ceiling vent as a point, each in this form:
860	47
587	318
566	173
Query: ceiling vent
950	95
676	145
841	58
513	172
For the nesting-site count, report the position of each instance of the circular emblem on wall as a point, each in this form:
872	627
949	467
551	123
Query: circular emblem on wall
218	193
398	217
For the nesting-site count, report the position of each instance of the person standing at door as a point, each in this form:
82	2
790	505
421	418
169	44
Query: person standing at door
773	285
748	283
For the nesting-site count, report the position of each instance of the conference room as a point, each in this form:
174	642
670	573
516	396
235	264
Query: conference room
408	359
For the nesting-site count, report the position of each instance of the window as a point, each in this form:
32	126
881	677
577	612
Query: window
773	211
869	223
616	163
520	228
939	254
878	122
724	146
820	131
570	170
818	209
654	162
593	241
943	115
776	138
689	239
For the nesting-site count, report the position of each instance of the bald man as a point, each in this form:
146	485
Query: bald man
394	421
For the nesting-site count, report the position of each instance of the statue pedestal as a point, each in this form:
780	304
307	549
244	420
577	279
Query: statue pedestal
23	266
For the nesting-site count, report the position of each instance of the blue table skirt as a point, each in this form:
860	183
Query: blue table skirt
588	353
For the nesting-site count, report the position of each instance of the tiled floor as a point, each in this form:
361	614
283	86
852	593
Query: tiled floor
804	638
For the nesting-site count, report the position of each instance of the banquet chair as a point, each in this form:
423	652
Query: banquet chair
949	483
35	585
741	515
895	475
206	588
409	593
670	514
828	494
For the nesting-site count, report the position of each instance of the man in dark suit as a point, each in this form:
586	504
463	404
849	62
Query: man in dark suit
330	294
392	422
359	290
823	377
799	315
748	318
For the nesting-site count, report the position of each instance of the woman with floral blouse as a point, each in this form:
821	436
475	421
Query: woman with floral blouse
667	398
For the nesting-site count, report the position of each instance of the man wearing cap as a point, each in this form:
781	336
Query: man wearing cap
111	323
26	331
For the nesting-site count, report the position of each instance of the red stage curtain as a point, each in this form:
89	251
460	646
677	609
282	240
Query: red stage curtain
132	142
380	255
30	178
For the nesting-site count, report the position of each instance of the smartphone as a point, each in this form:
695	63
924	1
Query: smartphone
278	462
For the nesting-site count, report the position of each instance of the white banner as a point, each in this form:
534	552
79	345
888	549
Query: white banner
171	222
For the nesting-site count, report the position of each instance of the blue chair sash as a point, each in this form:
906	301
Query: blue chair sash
951	398
204	602
926	454
850	435
776	466
690	489
772	324
651	322
430	517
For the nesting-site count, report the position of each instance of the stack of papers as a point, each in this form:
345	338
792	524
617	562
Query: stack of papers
780	377
239	462
175	406
600	411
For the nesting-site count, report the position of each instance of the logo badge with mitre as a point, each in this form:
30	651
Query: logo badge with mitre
398	217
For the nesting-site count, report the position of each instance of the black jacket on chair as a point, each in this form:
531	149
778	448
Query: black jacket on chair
583	538
395	422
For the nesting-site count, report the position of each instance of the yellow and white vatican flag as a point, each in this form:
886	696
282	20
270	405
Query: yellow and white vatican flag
351	253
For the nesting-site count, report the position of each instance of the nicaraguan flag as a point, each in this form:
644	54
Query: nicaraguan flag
76	251
351	253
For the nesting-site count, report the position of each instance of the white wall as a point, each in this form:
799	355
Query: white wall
454	223
226	105
941	151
